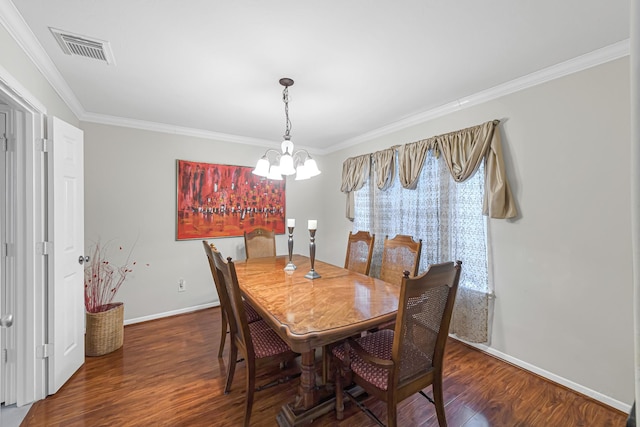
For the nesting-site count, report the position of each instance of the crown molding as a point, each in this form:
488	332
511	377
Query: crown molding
580	63
13	22
185	131
179	130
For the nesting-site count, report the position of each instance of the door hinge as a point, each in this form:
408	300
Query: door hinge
44	248
44	145
3	138
44	351
8	356
8	249
9	143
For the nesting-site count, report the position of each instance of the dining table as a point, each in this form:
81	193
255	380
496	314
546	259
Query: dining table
309	314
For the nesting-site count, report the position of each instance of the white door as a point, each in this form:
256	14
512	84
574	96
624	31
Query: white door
66	226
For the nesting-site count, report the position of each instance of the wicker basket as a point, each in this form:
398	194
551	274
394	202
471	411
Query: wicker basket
105	330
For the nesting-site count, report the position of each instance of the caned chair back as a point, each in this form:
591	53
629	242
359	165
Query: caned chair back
260	243
422	324
399	254
237	317
359	251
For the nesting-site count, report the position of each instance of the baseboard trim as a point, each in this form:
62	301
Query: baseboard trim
170	313
606	400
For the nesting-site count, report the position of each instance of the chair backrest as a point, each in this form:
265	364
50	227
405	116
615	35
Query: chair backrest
399	254
422	324
260	243
219	285
359	250
237	317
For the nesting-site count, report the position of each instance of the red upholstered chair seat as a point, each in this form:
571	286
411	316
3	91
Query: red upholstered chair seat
252	314
265	341
379	344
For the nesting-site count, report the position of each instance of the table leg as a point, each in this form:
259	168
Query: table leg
307	391
307	406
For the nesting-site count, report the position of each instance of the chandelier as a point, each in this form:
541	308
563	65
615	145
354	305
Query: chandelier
274	164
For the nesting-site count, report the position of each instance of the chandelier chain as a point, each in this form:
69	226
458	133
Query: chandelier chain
285	99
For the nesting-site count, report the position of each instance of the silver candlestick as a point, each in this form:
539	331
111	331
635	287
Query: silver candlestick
290	265
312	254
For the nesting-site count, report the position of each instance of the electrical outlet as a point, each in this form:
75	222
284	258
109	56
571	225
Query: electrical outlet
182	285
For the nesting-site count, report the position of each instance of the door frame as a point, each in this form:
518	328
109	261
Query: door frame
31	294
8	301
7	382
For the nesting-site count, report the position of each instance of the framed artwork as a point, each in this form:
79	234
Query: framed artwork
223	201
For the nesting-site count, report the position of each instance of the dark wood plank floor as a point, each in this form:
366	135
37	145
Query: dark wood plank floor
167	374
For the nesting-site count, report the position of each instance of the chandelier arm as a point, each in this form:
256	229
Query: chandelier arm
272	150
301	155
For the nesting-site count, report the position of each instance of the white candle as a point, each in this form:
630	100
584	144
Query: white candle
291	222
313	224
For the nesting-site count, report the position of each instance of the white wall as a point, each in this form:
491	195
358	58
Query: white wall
130	192
562	269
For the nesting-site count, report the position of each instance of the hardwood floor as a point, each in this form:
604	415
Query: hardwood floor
167	374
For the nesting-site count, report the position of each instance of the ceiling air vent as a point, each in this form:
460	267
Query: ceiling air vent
77	45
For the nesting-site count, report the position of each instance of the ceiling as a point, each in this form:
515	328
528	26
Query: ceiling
212	67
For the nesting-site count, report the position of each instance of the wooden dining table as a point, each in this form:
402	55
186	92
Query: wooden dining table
311	313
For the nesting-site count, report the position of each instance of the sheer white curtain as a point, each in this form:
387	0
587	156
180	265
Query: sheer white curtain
448	217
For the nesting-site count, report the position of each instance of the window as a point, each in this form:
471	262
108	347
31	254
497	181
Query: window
447	216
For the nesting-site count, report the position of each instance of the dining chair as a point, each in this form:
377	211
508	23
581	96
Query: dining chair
257	342
395	364
252	314
359	250
260	243
358	259
399	254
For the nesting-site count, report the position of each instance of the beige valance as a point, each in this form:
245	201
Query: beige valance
463	151
355	172
412	157
385	167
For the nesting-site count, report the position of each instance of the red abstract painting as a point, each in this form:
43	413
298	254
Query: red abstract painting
223	201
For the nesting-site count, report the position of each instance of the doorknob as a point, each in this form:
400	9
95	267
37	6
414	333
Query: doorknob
82	259
6	320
